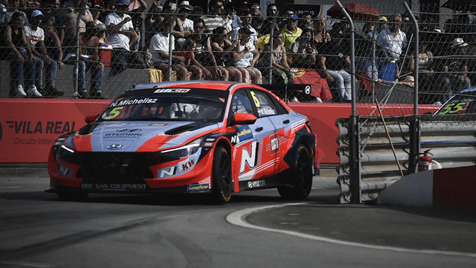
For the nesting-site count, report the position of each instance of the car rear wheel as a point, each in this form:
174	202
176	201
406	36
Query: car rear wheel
222	182
301	177
72	196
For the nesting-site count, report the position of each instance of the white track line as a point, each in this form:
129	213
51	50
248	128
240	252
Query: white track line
239	218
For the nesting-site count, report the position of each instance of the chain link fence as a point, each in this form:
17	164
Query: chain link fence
93	51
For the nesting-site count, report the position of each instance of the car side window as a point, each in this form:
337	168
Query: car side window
241	103
264	104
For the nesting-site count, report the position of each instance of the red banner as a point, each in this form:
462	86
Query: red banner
29	127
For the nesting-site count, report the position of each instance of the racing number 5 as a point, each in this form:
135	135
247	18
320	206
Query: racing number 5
255	99
115	112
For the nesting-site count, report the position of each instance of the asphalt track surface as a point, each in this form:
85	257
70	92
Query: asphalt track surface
257	229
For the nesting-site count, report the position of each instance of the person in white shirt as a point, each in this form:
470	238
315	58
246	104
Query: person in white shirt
35	34
121	35
184	26
159	48
391	42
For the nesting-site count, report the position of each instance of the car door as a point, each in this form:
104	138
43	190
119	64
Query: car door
252	159
277	142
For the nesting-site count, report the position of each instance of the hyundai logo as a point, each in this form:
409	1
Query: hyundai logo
114	146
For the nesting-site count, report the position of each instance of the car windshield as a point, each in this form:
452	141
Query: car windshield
461	103
165	108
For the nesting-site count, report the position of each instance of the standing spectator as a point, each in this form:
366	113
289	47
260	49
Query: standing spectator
13	6
136	11
204	54
35	34
89	45
271	12
21	56
223	51
51	10
455	70
69	17
184	26
97	12
391	41
159	48
333	64
425	73
122	35
281	72
154	16
246	57
213	19
54	50
292	32
303	53
3	13
305	21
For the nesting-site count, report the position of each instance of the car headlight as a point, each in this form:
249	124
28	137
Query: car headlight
181	152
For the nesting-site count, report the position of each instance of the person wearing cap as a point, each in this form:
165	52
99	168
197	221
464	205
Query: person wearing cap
292	32
333	62
36	36
122	35
391	42
102	33
213	19
455	70
184	26
246	19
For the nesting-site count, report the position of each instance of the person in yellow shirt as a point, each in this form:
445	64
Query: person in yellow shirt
291	32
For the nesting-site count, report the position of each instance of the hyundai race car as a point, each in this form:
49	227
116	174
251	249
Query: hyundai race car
463	102
194	136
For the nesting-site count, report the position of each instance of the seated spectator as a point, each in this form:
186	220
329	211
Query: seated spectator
305	21
159	48
204	54
281	72
213	19
292	32
425	74
333	64
35	34
246	20
303	54
89	45
257	24
187	51
21	56
246	57
122	35
12	7
455	70
184	27
51	11
320	31
54	50
223	49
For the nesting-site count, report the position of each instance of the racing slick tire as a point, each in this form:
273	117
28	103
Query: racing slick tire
72	196
301	176
222	186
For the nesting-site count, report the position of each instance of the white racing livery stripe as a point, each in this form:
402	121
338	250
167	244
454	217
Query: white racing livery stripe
238	218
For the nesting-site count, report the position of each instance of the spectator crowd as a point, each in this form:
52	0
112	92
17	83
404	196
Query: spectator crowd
230	41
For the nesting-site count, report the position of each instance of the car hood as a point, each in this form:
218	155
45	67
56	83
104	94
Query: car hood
144	136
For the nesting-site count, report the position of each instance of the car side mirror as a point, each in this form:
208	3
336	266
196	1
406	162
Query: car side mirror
244	119
91	117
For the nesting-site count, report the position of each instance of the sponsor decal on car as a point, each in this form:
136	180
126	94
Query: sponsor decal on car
256	184
114	186
172	90
197	187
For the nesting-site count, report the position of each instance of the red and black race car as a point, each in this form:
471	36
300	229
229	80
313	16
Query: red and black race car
191	136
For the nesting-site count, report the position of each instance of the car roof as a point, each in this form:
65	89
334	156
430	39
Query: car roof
213	85
471	89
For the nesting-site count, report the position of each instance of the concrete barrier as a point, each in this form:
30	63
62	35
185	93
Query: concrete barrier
451	188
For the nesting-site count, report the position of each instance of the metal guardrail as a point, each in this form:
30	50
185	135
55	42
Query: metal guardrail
452	142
